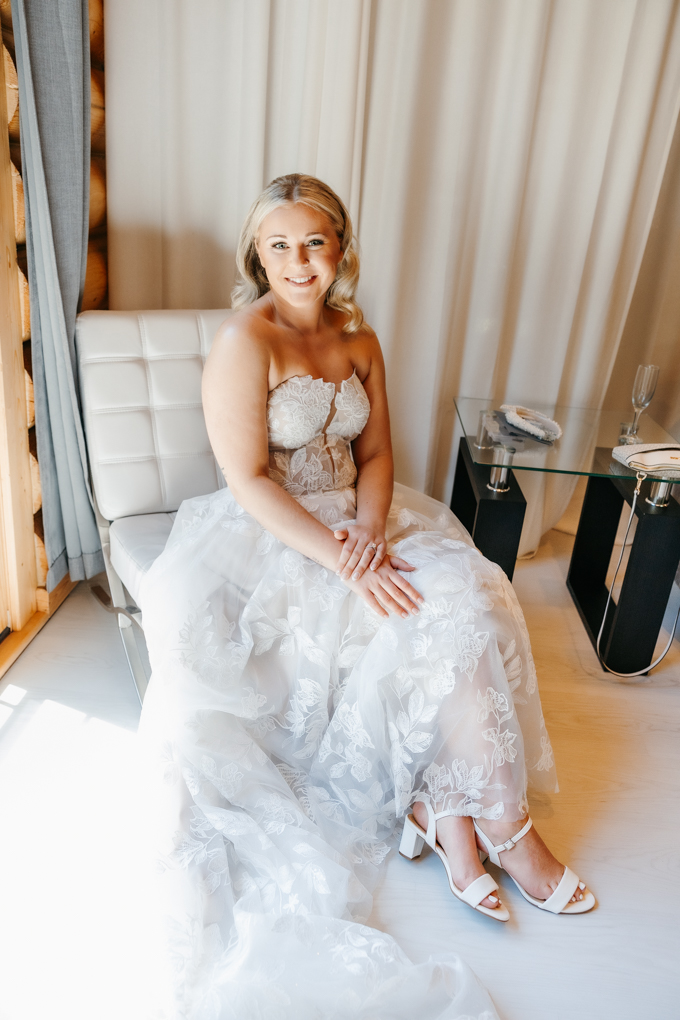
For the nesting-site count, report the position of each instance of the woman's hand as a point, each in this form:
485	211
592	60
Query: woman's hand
363	547
386	591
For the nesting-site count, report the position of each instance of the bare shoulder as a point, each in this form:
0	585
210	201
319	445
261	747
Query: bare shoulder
365	352
243	338
362	346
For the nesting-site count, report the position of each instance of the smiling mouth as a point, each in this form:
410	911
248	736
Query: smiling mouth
300	281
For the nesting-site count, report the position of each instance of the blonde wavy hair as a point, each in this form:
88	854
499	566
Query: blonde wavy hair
252	280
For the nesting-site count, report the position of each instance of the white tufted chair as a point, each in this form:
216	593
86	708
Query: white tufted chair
140	385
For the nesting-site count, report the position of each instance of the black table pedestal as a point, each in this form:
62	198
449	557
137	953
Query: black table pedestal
494	519
632	626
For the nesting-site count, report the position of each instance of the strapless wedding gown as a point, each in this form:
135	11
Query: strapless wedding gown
289	729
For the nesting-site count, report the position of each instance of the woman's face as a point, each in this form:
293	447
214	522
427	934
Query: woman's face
300	253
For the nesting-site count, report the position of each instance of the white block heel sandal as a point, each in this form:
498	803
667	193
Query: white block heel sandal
411	846
559	902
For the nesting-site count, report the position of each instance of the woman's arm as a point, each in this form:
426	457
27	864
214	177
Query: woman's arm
235	391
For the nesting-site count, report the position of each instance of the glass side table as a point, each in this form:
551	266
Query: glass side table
489	503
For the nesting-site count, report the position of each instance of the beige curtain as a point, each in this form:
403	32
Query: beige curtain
652	330
502	160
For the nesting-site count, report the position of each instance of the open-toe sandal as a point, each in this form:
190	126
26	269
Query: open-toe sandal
412	840
560	901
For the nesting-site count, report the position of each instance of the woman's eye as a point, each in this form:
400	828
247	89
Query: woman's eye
317	241
280	245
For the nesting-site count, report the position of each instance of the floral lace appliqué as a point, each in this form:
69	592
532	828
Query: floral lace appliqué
297	411
352	409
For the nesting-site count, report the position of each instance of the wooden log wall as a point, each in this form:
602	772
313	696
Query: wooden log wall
96	286
18	589
96	279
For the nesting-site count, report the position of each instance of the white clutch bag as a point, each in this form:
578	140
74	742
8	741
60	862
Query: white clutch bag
659	459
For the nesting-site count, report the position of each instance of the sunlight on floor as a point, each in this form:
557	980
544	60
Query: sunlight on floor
12	695
70	805
9	697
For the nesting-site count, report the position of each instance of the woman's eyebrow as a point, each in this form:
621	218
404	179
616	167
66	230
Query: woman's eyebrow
312	233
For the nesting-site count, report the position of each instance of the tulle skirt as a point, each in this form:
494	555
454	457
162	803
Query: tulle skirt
288	729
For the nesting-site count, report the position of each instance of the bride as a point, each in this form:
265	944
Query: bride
331	658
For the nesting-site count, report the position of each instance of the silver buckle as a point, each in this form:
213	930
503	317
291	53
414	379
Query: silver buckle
509	845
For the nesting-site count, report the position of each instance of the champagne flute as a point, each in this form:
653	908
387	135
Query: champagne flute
644	386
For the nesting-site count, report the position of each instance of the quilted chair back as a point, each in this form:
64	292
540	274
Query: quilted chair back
140	385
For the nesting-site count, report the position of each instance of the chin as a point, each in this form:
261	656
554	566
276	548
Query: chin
302	297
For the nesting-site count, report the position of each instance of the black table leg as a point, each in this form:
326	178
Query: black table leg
494	519
632	626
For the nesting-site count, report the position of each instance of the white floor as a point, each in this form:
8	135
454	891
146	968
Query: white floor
71	889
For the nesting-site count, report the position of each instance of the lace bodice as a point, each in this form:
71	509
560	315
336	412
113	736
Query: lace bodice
311	426
302	408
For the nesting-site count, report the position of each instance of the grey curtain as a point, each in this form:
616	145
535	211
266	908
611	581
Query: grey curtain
53	66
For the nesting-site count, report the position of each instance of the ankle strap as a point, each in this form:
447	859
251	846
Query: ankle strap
509	843
432	819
